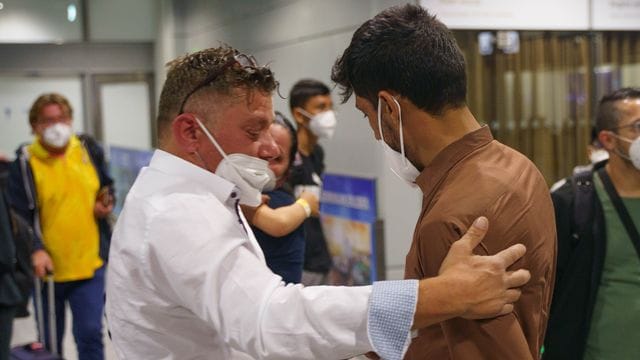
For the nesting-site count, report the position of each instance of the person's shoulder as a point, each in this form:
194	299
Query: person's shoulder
318	150
583	179
438	222
298	160
169	209
86	137
317	154
22	151
90	143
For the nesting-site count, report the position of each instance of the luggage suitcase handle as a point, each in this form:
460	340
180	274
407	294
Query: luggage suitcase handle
51	301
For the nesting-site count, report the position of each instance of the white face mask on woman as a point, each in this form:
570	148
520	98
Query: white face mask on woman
57	135
322	124
250	174
634	150
400	165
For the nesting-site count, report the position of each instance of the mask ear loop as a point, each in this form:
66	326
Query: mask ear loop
306	114
215	143
380	118
628	157
404	158
208	134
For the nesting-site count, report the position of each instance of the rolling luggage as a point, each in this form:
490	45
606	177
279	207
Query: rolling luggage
36	350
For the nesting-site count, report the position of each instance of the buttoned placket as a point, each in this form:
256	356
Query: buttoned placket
236	204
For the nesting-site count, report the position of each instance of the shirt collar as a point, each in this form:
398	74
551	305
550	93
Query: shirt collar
173	165
446	159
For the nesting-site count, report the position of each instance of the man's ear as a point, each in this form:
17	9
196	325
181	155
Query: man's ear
389	105
186	133
607	139
299	117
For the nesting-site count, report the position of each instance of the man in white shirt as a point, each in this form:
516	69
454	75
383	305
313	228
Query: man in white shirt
187	279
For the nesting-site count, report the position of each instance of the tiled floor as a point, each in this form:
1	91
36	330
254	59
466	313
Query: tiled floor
24	331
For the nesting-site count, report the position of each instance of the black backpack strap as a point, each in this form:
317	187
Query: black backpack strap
583	202
621	209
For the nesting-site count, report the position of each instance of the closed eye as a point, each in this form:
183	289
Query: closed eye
253	135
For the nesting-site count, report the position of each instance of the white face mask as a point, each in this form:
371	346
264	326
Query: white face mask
250	174
634	151
598	155
57	135
400	165
323	124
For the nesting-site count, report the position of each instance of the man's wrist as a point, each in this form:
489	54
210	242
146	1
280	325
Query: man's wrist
436	303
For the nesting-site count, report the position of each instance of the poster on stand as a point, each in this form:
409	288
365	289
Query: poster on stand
348	215
124	166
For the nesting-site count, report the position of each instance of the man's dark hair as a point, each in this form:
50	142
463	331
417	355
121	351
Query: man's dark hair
305	89
608	114
404	49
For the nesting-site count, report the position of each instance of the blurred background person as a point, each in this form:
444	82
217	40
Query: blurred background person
595	312
595	153
15	265
281	236
59	184
312	108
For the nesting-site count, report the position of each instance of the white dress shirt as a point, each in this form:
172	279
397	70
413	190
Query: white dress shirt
187	280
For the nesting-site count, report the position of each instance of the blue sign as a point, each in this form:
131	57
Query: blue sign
348	214
124	166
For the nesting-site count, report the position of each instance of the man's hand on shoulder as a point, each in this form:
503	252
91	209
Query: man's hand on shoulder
471	286
481	284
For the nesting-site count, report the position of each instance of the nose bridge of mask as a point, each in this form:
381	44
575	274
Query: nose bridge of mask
404	158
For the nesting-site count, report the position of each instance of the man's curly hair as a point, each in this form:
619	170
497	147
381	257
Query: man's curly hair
188	72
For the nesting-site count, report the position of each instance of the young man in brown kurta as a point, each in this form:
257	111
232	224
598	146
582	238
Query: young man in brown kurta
494	180
408	75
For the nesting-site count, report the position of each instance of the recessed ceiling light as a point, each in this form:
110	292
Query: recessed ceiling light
72	13
1	6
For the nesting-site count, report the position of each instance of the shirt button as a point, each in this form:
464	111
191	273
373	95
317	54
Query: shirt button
234	195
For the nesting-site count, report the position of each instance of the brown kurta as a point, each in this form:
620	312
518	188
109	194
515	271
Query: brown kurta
476	176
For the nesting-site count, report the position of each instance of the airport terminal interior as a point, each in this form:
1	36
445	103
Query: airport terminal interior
535	73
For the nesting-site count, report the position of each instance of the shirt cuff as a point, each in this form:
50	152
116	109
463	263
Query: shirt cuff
392	306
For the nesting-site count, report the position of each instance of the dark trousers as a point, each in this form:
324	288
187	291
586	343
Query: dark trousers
7	313
86	300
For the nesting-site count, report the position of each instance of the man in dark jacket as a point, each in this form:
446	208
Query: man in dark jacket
15	267
595	313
